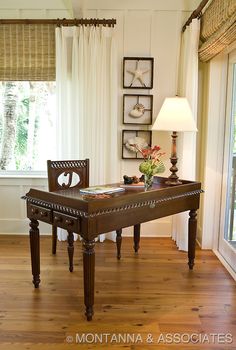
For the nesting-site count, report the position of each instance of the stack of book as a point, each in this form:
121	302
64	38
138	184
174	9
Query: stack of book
101	190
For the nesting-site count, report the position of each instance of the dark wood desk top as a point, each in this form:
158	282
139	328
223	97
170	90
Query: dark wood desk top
72	198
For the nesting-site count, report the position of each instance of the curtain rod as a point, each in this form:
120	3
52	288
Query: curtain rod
195	14
58	22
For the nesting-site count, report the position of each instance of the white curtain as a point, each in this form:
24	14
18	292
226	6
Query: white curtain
188	87
86	78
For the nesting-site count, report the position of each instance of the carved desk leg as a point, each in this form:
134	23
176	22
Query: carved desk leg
136	237
34	249
118	242
70	249
192	232
89	267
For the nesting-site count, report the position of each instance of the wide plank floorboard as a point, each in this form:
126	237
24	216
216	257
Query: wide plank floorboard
149	293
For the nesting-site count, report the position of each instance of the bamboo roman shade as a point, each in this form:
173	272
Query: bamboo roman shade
27	52
218	28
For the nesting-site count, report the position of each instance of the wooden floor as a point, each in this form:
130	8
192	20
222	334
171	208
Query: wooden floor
152	293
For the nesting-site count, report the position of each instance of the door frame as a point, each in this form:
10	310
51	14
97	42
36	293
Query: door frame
212	132
225	249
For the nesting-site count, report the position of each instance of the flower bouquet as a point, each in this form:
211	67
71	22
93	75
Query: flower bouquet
151	165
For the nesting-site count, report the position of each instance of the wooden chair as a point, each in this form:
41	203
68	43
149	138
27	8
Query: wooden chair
66	168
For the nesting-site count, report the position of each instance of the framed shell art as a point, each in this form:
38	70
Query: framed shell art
137	109
138	72
142	138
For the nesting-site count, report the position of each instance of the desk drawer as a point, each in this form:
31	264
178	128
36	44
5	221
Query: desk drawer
39	213
66	221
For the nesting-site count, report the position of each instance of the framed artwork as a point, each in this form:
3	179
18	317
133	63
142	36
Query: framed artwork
143	138
138	72
137	109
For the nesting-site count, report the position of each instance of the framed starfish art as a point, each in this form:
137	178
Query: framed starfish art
138	72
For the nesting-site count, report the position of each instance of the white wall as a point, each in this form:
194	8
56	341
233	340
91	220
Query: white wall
35	9
144	28
12	207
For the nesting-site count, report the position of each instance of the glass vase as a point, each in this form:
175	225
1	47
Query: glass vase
148	181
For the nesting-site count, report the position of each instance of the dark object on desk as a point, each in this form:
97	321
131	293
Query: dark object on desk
89	218
128	180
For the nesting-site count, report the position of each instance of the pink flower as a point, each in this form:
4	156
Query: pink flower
156	148
151	154
146	152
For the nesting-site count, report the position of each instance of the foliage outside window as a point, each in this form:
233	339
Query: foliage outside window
27	125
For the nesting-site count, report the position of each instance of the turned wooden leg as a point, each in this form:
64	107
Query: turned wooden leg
89	267
136	237
192	232
118	242
35	253
70	249
54	239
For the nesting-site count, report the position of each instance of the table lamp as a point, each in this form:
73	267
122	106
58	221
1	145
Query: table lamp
175	115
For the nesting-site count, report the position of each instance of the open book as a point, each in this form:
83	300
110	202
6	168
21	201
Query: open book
101	189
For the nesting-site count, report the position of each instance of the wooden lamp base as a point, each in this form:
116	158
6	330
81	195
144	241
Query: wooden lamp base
173	179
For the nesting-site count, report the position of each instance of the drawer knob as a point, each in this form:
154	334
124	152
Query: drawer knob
34	211
57	219
43	213
69	222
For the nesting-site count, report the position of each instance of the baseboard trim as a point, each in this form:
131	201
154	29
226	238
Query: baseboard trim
23	233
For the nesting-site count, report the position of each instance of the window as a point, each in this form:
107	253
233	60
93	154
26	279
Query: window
27	125
27	94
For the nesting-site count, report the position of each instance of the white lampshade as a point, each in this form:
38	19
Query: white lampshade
175	115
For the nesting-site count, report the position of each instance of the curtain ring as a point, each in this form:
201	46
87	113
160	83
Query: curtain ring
199	15
64	24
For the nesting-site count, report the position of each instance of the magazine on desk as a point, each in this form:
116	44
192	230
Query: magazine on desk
101	189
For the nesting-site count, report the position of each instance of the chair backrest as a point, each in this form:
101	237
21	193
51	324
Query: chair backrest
63	174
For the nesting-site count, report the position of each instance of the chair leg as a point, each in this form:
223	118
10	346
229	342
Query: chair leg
54	239
118	242
70	249
136	237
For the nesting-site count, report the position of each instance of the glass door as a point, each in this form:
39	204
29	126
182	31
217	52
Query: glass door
227	238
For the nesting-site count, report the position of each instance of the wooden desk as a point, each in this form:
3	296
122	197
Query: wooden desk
68	209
